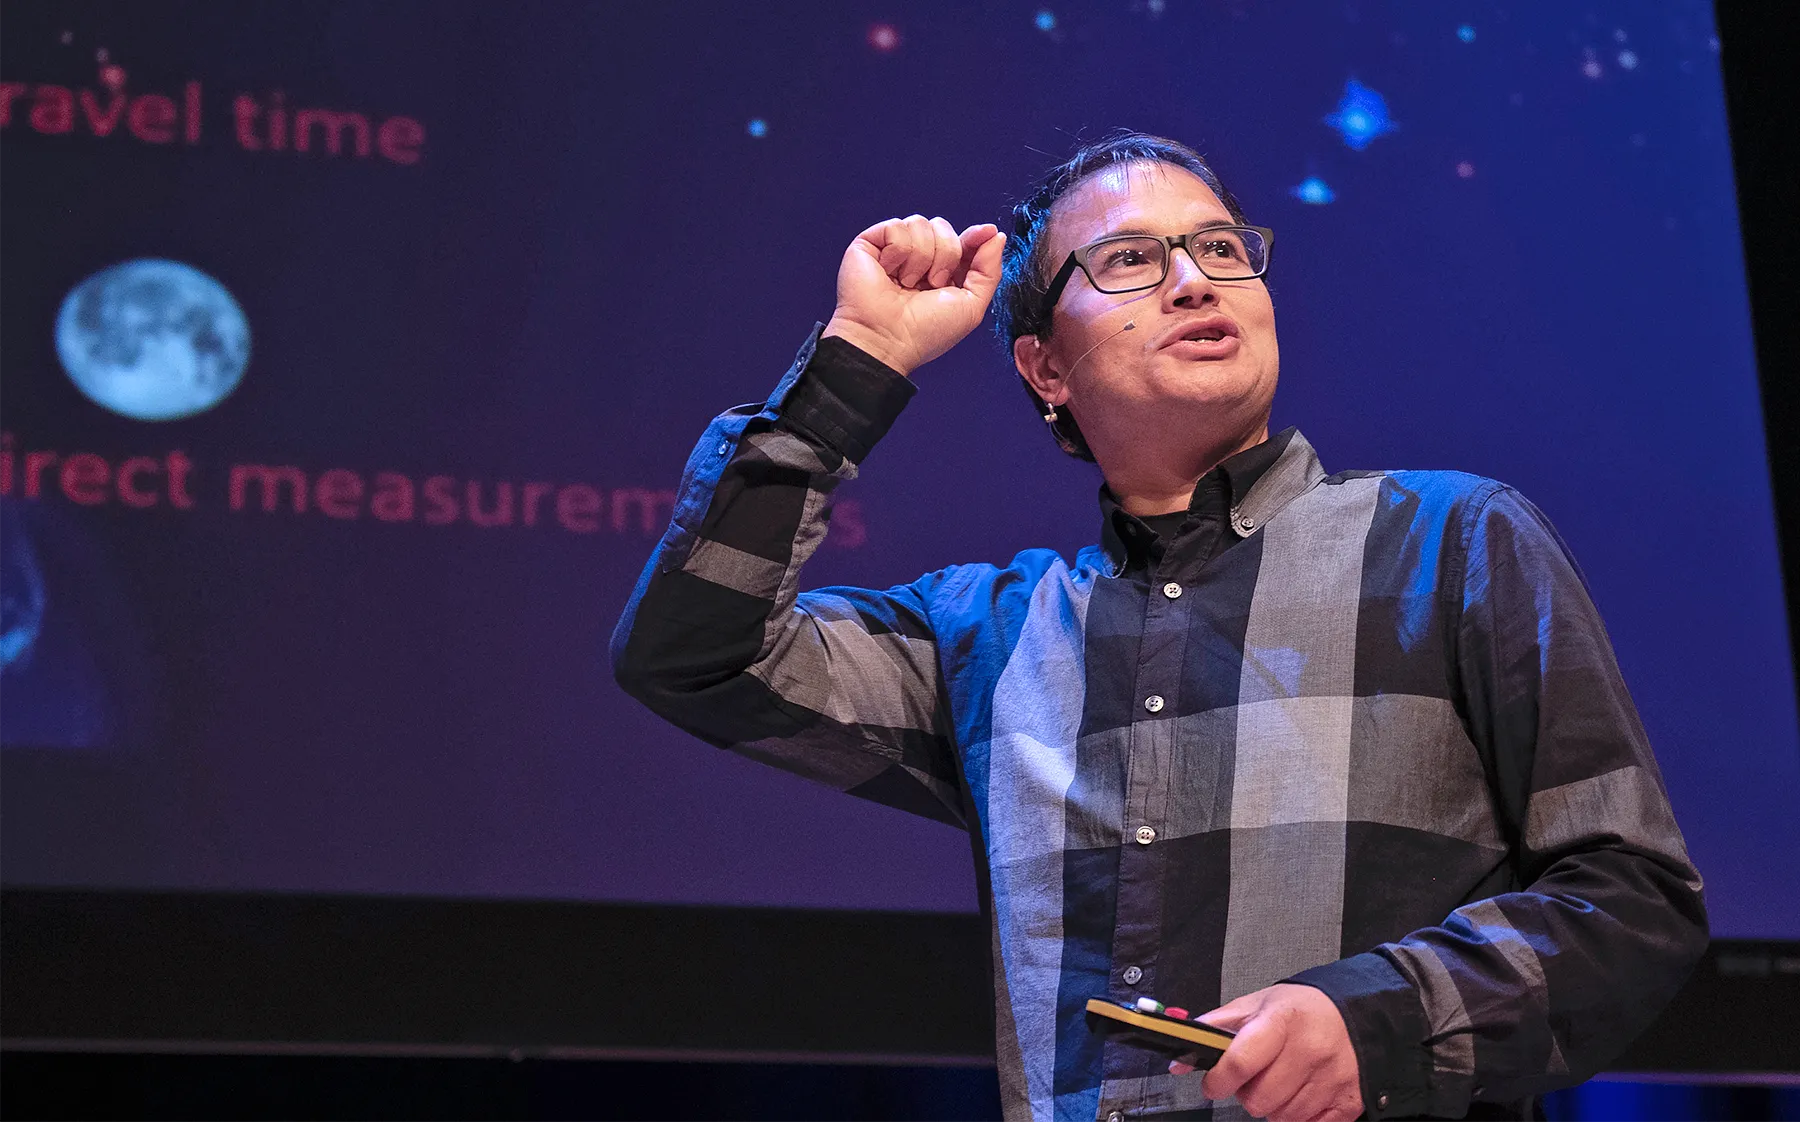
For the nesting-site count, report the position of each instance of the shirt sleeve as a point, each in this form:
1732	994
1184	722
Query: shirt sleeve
840	685
1541	987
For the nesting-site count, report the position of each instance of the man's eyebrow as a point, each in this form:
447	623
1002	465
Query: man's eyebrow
1126	231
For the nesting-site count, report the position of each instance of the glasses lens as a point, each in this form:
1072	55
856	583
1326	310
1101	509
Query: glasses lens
1124	264
1228	253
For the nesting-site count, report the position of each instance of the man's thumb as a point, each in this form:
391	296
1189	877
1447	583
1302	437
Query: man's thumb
1232	1015
984	268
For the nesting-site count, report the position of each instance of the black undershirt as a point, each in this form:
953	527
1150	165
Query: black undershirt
1203	530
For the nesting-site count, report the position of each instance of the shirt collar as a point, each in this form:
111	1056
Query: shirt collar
1260	480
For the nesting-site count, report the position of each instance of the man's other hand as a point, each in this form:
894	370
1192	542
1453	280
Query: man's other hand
909	289
1291	1061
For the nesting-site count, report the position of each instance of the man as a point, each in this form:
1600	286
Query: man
1344	758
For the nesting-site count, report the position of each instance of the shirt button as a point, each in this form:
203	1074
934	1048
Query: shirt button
1381	1101
724	447
1172	590
1115	1116
1154	703
1246	524
1146	835
1133	975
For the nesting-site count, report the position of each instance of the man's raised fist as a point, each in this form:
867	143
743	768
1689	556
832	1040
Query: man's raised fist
909	289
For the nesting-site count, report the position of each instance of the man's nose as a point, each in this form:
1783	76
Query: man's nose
1186	285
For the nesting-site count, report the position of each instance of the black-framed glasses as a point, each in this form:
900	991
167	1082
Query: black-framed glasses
1133	262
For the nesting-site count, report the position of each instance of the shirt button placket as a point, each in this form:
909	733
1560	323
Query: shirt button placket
1136	932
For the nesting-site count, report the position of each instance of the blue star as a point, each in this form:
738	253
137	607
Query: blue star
1313	191
758	127
1466	33
1046	20
1361	116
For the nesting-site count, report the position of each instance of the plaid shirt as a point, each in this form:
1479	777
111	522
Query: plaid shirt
1379	745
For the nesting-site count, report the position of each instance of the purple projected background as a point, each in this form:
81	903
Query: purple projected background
488	270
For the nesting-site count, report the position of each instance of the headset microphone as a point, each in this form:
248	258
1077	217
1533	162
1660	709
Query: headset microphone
1130	325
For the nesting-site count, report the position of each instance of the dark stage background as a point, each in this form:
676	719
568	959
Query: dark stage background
349	353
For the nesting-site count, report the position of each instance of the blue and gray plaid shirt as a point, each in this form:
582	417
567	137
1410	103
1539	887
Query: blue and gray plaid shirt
1361	730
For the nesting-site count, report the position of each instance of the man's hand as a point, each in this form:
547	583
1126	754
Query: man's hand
909	289
1291	1061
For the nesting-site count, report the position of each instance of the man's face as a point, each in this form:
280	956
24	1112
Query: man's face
1146	382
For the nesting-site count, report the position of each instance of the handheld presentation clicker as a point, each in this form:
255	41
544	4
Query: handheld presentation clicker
1165	1028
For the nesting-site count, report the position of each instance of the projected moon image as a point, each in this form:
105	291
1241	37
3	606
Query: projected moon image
153	340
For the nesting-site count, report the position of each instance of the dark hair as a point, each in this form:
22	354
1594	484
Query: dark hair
1025	275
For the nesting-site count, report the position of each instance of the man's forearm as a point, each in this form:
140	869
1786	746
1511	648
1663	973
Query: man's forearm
1520	993
749	512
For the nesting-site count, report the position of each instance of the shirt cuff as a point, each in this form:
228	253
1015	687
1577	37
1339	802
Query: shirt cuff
1387	1029
847	397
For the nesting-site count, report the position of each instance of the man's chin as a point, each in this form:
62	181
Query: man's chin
1213	386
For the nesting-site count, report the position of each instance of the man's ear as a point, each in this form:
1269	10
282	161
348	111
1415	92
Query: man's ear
1032	358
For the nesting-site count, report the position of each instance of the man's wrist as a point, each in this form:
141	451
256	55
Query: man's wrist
869	342
1387	1028
846	397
